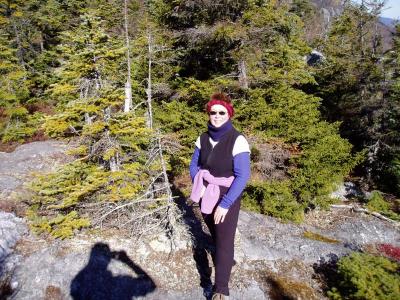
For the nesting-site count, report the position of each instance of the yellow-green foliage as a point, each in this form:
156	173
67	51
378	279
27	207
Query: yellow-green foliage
367	277
72	115
120	138
377	203
62	226
273	198
80	182
20	124
318	237
110	157
126	183
69	184
81	150
13	82
130	130
17	112
93	129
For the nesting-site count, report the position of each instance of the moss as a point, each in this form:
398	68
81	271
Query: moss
318	237
286	288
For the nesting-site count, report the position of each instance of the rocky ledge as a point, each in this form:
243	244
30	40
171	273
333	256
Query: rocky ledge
272	258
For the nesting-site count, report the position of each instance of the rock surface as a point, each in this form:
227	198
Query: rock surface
11	231
19	166
267	245
108	265
346	191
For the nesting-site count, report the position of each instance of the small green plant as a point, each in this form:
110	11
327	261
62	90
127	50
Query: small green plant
365	276
377	203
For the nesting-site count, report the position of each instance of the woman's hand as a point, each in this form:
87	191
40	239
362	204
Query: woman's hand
219	215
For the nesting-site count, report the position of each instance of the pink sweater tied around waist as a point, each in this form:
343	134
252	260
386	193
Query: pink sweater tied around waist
212	192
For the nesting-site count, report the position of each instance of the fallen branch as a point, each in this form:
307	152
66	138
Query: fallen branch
132	204
364	210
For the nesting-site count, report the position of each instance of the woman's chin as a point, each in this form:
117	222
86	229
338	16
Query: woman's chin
218	124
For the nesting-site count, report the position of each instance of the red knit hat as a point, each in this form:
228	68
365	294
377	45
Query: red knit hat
221	99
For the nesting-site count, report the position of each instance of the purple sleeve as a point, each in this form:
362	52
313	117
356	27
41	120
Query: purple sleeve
241	171
194	163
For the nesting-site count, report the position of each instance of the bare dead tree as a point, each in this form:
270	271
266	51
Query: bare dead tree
243	81
151	212
149	115
128	84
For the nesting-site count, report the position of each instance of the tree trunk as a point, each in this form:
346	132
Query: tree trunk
128	85
149	84
243	75
128	96
20	53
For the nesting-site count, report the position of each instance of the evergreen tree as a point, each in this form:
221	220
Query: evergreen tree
119	167
277	108
353	84
259	57
387	164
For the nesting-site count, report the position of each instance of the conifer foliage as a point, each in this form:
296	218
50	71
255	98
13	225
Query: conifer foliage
257	55
357	83
119	175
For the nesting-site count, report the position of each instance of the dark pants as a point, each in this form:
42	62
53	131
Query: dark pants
223	235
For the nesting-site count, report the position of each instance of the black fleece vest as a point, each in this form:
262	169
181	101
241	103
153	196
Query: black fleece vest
218	160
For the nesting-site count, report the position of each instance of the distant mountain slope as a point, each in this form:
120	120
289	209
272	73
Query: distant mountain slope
391	23
327	10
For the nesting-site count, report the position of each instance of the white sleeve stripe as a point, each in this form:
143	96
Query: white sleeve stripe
241	145
197	143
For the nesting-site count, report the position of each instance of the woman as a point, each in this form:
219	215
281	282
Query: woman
220	168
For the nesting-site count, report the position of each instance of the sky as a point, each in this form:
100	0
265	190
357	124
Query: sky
392	9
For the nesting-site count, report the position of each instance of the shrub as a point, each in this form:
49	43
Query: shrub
273	198
377	203
58	206
365	276
21	126
390	251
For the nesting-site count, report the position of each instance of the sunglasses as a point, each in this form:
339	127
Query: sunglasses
213	113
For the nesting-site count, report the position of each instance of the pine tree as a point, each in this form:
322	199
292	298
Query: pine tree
387	167
120	168
353	84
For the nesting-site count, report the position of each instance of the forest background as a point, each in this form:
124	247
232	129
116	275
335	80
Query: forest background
124	80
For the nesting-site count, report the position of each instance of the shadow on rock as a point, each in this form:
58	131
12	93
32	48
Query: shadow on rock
326	271
95	281
202	242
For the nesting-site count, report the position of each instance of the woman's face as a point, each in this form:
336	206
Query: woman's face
218	115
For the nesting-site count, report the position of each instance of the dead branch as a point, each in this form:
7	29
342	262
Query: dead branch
364	210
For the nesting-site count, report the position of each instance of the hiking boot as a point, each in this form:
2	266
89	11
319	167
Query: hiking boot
219	296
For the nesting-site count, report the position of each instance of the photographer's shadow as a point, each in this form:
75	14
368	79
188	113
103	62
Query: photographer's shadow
95	281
